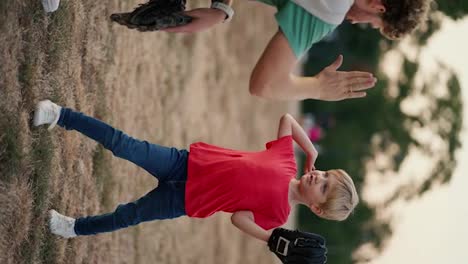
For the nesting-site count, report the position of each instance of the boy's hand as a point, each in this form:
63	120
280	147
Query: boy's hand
310	161
298	247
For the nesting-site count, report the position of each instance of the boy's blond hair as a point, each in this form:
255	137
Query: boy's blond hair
342	198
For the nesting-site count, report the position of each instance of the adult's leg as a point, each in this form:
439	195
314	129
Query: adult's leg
163	162
164	202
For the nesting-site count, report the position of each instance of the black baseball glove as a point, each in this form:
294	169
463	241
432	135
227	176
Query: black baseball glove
296	247
154	15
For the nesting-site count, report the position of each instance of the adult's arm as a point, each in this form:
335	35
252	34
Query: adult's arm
289	126
272	77
244	220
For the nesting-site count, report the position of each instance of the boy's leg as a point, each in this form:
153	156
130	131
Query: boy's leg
163	162
164	202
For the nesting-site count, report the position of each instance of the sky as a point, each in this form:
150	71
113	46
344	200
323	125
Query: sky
434	227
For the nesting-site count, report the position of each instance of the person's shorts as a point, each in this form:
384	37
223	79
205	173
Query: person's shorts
301	28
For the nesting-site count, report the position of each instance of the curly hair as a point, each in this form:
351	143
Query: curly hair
402	17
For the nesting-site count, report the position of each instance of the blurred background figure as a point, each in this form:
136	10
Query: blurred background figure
313	130
316	126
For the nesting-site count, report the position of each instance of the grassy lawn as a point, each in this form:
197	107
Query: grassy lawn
36	46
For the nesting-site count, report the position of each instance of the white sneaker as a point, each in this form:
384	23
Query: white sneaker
46	113
50	5
61	225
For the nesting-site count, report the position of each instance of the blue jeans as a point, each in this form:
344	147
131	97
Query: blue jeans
168	165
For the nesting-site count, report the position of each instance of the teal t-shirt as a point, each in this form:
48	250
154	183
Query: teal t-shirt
301	28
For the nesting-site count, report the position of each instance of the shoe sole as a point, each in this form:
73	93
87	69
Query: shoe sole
36	115
50	5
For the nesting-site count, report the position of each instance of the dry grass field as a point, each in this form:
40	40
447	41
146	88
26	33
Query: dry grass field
168	89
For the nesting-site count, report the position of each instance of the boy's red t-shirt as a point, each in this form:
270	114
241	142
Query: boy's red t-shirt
221	179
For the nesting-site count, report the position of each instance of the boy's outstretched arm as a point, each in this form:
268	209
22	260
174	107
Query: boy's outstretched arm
289	126
244	220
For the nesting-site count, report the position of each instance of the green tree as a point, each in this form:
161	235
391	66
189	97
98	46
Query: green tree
349	144
455	9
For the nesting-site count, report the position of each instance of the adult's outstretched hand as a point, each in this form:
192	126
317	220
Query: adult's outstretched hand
202	19
339	85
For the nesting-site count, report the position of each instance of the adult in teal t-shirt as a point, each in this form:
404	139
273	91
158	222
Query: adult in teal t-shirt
303	23
301	33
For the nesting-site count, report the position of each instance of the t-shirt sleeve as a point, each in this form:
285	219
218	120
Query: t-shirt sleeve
285	141
301	28
266	222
